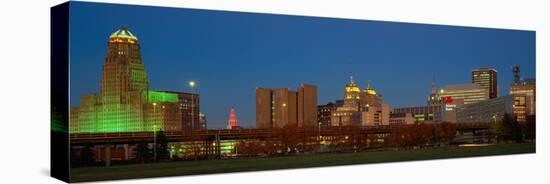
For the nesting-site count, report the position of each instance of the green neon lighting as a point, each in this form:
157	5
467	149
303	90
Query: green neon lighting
155	96
56	122
123	33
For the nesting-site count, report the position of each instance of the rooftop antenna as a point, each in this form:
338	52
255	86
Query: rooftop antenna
516	71
434	89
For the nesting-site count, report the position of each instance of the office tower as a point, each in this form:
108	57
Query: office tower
118	106
125	103
307	105
486	78
349	113
524	92
189	105
324	113
370	97
281	106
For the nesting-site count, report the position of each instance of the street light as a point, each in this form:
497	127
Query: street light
155	124
192	85
155	141
319	123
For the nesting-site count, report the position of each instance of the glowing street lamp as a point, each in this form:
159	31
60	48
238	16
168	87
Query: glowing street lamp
319	123
155	139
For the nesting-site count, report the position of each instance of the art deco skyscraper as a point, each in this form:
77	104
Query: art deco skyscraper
123	69
123	84
125	104
349	113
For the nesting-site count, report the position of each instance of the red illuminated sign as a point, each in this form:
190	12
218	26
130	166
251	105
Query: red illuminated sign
447	100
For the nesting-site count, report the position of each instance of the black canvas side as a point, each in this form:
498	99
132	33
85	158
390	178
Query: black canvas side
59	79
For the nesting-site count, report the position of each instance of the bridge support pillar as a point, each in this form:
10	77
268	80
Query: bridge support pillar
108	155
218	147
126	152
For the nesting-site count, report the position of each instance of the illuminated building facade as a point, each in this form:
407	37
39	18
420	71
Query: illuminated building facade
525	99
486	111
370	98
202	120
419	113
324	113
373	110
375	115
125	103
486	78
470	93
162	112
232	122
361	108
281	106
350	112
524	92
189	105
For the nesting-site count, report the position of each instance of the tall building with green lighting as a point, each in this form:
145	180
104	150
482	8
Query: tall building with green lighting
123	83
125	103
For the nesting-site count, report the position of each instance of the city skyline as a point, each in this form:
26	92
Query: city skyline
312	52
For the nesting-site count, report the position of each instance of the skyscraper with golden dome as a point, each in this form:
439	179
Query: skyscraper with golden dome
349	113
360	108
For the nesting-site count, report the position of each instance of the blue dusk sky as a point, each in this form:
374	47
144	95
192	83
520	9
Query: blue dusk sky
229	54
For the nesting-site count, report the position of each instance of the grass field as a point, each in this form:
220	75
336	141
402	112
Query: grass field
256	164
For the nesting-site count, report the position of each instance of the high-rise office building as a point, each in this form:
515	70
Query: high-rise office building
189	105
350	112
524	92
307	105
324	113
370	97
281	106
125	103
118	106
361	108
486	78
373	110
